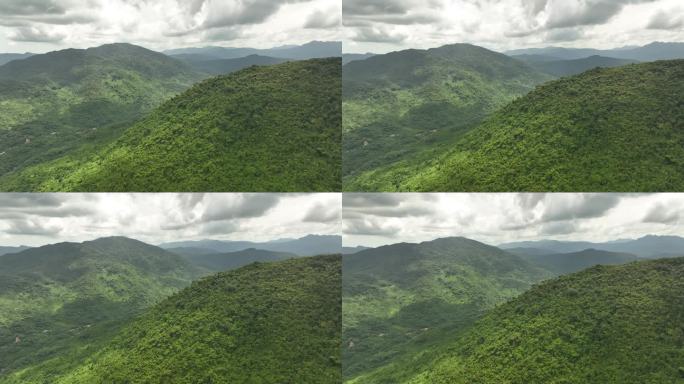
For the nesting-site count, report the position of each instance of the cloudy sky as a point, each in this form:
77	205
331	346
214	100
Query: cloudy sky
47	25
37	219
387	25
378	219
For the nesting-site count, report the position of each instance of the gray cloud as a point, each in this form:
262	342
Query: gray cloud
36	35
558	228
388	205
660	213
580	206
322	19
245	206
386	7
370	227
31	228
667	20
30	7
564	34
320	213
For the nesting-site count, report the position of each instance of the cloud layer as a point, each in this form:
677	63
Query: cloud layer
385	25
376	219
40	25
36	219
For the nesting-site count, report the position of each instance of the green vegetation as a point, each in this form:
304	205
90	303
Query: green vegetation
563	263
55	103
611	129
402	300
65	300
561	68
225	261
264	323
274	128
416	102
606	324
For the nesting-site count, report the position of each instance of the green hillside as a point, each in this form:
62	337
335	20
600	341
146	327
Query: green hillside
561	68
611	129
64	300
400	104
54	103
401	300
264	323
564	263
273	128
607	324
225	261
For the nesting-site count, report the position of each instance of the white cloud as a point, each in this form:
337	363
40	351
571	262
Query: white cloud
43	25
36	219
509	24
505	217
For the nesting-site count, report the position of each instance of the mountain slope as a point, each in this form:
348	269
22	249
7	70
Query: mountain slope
6	250
55	103
609	129
563	263
309	245
263	323
561	68
400	298
227	261
616	324
7	57
62	300
401	103
224	66
274	128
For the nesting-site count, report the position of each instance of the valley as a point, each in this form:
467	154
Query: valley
454	310
102	311
120	117
464	118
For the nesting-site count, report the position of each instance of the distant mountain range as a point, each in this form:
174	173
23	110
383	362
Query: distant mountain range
349	57
306	246
650	246
6	250
88	312
573	67
7	57
454	310
649	52
311	50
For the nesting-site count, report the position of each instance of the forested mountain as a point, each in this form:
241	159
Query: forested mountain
310	50
224	66
564	263
272	128
400	299
349	57
650	246
607	129
7	57
650	52
606	324
309	245
59	302
218	262
350	250
400	104
6	250
561	68
54	103
264	323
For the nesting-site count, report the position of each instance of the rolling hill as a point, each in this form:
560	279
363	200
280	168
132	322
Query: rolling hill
226	261
400	299
560	68
649	52
649	246
400	104
6	250
310	50
606	324
224	66
63	300
7	57
308	245
607	129
264	323
55	103
564	263
273	128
